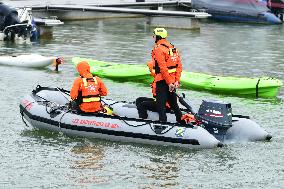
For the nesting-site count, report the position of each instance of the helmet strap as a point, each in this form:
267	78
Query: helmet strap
158	38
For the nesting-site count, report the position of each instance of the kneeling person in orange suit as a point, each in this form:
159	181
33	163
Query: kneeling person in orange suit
87	90
145	103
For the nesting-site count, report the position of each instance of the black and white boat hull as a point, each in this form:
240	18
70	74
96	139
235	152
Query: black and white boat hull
45	109
49	108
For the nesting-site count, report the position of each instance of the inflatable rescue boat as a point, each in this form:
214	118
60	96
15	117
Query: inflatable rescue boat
49	108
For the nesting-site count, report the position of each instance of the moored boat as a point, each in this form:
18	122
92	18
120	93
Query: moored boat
264	87
248	11
49	108
16	23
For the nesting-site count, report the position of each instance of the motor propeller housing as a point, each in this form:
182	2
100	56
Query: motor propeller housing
217	112
216	116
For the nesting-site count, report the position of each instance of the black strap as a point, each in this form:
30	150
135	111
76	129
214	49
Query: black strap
157	68
91	96
172	67
90	79
165	45
256	88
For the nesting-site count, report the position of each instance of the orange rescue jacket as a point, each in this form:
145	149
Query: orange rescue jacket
90	89
167	60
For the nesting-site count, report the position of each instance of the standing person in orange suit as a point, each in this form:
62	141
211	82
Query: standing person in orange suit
168	70
87	90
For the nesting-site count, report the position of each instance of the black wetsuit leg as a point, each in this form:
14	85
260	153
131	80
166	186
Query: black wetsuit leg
172	99
143	104
162	90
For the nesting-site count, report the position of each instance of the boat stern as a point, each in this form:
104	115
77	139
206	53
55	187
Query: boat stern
244	129
271	18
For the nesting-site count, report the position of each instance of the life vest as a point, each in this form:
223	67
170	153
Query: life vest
172	60
90	92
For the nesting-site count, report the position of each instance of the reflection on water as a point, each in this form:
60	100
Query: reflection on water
92	156
164	166
100	162
162	170
49	138
89	157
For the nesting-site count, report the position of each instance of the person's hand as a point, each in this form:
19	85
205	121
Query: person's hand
172	87
177	84
59	60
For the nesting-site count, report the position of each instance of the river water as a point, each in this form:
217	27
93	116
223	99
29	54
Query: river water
40	159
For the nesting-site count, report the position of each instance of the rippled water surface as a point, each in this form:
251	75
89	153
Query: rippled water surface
40	159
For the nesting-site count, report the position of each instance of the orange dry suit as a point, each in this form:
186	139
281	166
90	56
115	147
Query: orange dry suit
168	65
88	89
168	70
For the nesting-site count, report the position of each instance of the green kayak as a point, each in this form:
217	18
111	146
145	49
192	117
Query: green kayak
120	72
264	87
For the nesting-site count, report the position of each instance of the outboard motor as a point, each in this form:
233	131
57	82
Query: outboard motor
216	116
